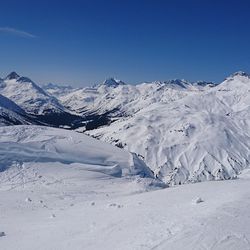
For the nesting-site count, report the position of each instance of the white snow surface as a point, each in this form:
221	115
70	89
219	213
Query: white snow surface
24	144
189	135
49	202
60	189
11	113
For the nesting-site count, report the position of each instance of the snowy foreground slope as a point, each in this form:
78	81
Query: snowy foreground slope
193	136
62	190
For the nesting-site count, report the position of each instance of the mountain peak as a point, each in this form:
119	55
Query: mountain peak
240	73
177	82
12	75
111	82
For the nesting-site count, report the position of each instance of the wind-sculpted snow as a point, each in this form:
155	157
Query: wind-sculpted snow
25	144
205	135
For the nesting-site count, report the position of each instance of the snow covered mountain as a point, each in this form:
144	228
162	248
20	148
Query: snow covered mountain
28	95
185	132
11	113
36	102
115	98
188	135
54	181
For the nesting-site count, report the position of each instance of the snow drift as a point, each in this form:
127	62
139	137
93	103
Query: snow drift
37	144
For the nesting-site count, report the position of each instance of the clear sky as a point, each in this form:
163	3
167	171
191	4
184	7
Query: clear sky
84	42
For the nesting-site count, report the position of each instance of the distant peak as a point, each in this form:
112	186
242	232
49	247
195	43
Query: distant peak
111	82
204	83
178	82
240	73
12	75
51	85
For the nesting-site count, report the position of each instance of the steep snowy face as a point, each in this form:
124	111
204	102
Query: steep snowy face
234	91
202	135
28	95
25	144
11	113
8	104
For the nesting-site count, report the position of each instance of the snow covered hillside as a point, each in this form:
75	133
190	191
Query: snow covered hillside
185	132
61	189
119	99
64	190
11	113
192	136
28	95
43	107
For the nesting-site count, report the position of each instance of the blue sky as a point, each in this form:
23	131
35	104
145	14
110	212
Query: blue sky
84	42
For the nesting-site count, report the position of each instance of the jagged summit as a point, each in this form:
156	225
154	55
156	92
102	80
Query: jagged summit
179	82
13	75
240	73
112	82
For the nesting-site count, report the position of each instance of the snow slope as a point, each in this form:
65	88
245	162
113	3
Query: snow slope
36	102
197	136
25	144
28	95
56	206
63	190
11	114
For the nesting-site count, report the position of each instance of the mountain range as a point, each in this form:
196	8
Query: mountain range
184	131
